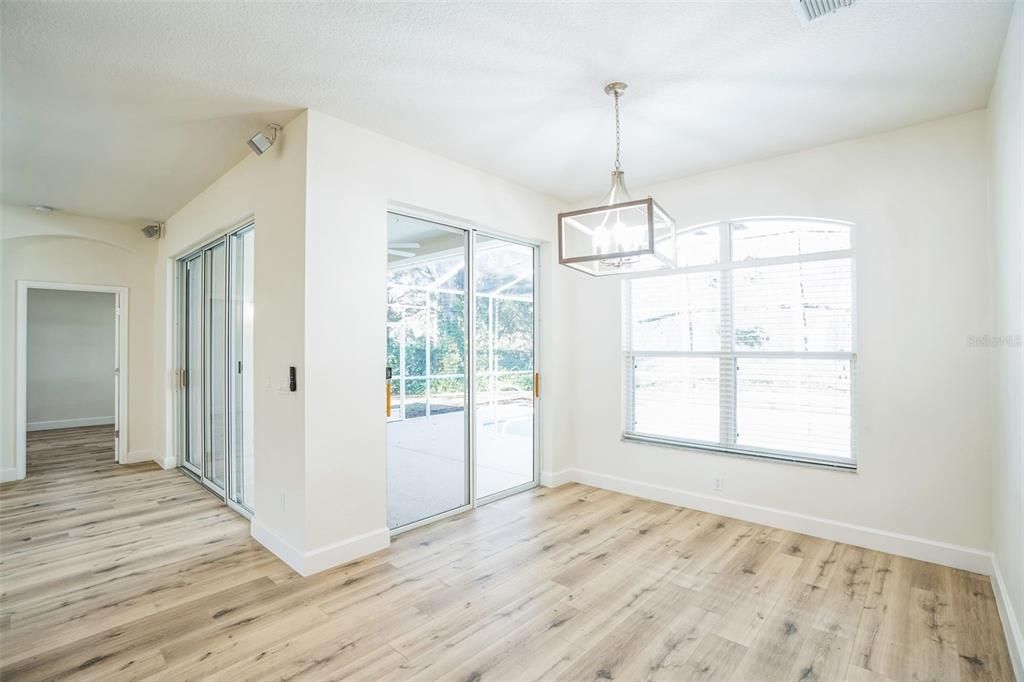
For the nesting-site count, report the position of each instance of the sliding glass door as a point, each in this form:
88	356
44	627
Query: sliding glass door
215	393
428	336
215	351
505	377
461	374
240	367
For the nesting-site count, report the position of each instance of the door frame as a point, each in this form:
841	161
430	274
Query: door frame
472	231
21	364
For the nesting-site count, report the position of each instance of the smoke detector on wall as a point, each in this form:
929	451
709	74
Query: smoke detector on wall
812	10
153	230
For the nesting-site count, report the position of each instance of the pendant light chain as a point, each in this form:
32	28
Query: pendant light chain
618	132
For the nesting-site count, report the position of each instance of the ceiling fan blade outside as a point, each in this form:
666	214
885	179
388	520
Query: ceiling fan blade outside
400	254
403	245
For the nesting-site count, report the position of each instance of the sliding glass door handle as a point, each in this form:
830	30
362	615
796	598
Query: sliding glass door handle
387	384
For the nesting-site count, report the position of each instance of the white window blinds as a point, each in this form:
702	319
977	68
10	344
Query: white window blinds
748	347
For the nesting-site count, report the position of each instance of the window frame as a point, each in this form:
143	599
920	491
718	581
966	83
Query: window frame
728	358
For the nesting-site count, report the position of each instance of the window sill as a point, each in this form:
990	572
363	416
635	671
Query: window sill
769	456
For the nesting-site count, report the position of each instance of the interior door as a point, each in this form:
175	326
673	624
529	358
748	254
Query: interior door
504	277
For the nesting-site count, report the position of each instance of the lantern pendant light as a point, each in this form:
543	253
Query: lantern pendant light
620	235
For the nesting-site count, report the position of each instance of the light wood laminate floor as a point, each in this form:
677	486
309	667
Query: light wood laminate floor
130	572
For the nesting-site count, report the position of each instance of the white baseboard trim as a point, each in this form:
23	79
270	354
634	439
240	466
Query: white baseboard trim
336	554
68	423
138	456
553	479
956	556
339	553
278	547
1011	626
10	474
168	462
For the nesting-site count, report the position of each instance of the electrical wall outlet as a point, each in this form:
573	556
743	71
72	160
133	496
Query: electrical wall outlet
719	484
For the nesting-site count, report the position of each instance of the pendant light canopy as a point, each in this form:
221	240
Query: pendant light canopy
620	235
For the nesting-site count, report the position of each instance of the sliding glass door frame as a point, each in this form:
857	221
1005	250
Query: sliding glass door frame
236	369
186	363
472	234
187	366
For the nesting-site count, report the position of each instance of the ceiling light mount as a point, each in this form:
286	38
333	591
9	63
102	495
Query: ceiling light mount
619	235
616	88
260	143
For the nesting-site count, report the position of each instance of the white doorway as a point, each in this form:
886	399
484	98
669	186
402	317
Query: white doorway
60	398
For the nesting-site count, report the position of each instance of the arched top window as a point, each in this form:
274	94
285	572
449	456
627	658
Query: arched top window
761	238
748	346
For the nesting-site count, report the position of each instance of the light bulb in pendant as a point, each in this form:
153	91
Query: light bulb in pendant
621	233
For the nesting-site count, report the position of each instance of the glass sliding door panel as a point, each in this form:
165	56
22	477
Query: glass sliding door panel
428	458
214	470
504	281
241	474
192	362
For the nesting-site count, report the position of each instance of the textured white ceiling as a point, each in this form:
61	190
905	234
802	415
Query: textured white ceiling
127	110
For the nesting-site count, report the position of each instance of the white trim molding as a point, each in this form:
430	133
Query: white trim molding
553	479
169	462
138	456
278	547
1011	627
323	558
956	556
339	553
70	423
10	474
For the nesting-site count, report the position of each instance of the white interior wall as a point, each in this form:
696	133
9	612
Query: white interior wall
271	189
59	247
918	197
1006	115
70	360
354	175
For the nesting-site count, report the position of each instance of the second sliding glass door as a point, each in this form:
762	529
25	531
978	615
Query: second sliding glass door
461	388
215	351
